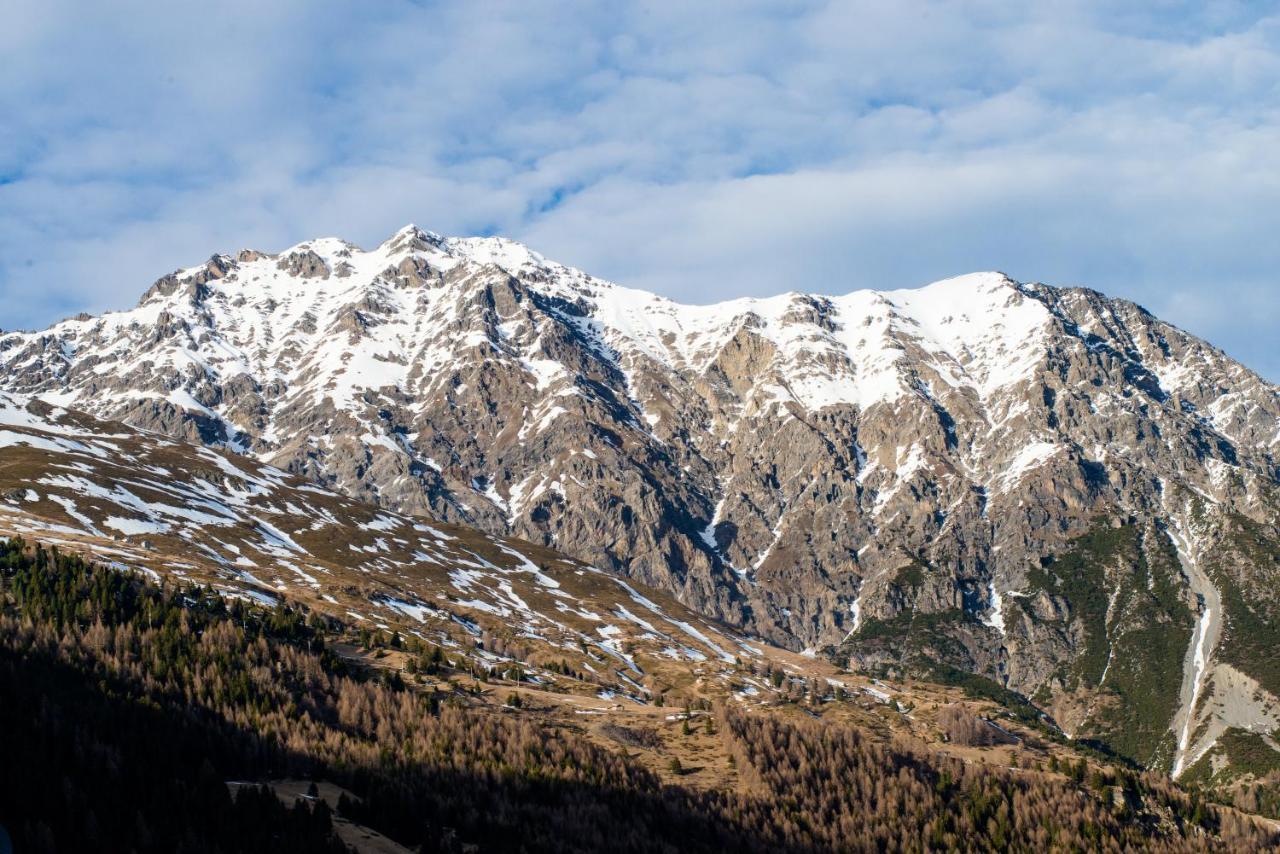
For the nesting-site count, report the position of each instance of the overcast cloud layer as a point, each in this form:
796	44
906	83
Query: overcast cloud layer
703	151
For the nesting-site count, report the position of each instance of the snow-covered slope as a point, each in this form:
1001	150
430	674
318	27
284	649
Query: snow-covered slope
325	325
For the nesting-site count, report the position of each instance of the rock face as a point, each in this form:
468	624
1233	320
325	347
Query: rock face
1040	485
190	514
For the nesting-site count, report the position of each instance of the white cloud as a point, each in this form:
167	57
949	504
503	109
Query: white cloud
701	150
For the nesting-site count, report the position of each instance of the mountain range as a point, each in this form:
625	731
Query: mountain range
1044	487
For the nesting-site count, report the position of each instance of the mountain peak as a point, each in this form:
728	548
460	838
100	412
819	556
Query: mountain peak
504	252
981	280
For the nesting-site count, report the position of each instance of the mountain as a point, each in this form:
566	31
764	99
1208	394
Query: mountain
1040	485
189	514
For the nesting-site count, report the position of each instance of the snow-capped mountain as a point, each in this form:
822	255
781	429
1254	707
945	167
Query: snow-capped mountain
1041	485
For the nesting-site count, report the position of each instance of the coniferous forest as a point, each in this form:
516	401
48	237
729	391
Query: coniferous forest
128	707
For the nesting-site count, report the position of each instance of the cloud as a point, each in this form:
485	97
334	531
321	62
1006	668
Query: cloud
703	151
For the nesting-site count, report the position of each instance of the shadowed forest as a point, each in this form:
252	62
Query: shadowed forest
128	707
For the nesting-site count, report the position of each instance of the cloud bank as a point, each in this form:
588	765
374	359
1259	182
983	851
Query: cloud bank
703	151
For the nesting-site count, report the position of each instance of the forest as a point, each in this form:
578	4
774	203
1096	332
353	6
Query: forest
130	705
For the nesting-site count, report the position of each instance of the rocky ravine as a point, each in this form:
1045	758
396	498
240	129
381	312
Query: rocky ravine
1008	478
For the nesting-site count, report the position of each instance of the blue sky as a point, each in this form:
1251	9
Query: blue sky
702	150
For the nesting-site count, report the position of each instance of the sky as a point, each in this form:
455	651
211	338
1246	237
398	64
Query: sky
700	150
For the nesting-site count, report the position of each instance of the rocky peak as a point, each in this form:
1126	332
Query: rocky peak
412	239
